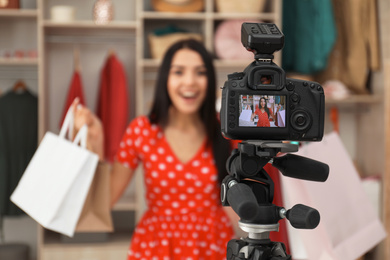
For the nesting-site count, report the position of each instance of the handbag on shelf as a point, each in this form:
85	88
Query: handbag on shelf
56	182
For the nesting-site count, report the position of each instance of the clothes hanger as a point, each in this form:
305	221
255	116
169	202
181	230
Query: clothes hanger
19	86
111	52
76	59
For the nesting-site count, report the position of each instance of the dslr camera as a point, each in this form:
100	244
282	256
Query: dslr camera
260	103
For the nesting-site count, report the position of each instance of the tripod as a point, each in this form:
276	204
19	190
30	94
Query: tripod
249	190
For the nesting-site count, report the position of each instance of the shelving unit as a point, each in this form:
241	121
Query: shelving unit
19	62
18	13
127	35
131	25
204	23
17	54
355	100
17	25
94	41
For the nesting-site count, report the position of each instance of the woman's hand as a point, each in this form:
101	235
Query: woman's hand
95	138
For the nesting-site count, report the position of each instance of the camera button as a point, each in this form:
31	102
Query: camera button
305	84
312	85
232	101
234	84
290	86
242	84
232	125
232	110
295	98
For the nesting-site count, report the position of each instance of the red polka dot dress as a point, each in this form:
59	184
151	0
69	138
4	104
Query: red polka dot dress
263	118
185	219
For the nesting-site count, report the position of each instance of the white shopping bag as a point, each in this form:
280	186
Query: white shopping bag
349	224
55	184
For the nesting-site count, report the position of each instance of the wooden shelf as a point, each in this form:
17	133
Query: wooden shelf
254	16
172	16
19	62
355	99
19	13
203	15
126	203
120	239
115	247
232	63
154	63
131	25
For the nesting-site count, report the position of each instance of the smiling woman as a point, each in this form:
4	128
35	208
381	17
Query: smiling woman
187	82
183	155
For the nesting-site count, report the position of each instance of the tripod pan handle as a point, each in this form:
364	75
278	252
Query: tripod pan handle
243	201
303	217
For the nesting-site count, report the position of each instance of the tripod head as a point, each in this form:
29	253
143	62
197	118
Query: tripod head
249	190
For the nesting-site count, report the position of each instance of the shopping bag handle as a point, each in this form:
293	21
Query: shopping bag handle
67	125
81	136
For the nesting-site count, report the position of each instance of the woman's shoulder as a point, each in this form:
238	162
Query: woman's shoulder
140	121
142	124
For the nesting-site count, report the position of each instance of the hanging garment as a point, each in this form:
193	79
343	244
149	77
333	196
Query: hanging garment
310	34
18	142
356	51
112	106
75	90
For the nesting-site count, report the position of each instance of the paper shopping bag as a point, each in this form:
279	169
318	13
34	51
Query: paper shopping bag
96	213
55	184
349	225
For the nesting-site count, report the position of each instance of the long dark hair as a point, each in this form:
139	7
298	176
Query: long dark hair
161	103
265	107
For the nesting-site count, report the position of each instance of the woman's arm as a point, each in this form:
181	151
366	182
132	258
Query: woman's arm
95	138
120	175
272	114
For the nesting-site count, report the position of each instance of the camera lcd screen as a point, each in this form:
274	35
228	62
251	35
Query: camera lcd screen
262	111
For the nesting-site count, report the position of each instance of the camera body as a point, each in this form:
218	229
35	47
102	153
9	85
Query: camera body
260	103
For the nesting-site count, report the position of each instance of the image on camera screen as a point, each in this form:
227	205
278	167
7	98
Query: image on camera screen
262	111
